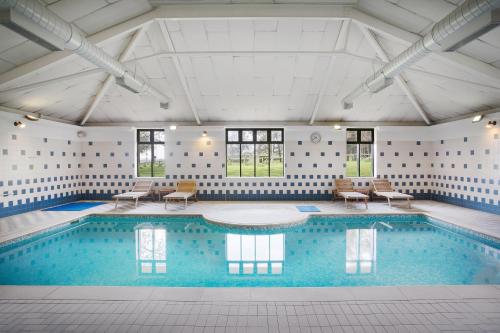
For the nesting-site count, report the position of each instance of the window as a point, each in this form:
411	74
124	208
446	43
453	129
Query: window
150	153
151	250
361	251
255	254
359	152
254	152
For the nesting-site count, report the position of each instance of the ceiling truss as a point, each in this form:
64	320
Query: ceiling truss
110	78
334	12
340	45
400	80
178	69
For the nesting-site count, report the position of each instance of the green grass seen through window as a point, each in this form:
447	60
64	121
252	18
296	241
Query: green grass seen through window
144	170
365	165
233	169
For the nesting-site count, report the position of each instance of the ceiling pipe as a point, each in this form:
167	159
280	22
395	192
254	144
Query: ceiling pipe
438	39
39	24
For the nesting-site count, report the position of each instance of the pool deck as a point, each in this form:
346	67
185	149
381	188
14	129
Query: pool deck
253	214
339	309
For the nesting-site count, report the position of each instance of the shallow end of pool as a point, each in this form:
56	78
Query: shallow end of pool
256	216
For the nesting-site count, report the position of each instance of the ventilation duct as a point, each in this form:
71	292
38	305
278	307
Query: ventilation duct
37	23
470	20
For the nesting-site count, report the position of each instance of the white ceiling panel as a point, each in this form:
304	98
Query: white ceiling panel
71	10
391	12
9	39
255	69
112	14
23	53
242	35
482	50
434	10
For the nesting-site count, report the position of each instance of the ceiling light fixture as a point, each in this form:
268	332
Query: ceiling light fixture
491	124
477	118
204	133
33	116
19	124
337	127
173	127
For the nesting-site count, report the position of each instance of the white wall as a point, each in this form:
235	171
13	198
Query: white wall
103	163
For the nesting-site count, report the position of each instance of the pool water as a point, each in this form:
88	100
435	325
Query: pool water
188	251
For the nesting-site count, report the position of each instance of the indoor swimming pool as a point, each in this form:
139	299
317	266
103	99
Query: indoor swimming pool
369	250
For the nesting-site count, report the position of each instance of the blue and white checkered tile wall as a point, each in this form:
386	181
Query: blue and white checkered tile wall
465	171
37	172
406	164
40	171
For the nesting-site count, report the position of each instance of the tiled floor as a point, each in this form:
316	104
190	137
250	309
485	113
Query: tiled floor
148	309
410	315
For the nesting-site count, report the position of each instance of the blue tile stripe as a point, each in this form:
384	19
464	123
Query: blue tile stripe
30	206
27	207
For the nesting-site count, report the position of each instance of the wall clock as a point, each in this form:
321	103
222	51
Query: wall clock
315	137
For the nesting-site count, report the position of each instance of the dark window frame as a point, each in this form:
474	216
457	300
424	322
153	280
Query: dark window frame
359	142
152	144
255	142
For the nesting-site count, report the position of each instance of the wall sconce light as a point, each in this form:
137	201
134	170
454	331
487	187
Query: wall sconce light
337	127
19	124
204	133
173	127
477	118
33	116
491	124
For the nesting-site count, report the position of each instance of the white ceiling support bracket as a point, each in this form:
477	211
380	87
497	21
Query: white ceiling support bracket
340	45
178	69
400	80
110	79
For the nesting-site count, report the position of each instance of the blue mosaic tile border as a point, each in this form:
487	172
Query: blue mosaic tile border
475	235
483	206
30	206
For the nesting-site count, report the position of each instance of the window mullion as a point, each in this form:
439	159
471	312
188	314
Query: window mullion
269	159
359	159
152	146
254	163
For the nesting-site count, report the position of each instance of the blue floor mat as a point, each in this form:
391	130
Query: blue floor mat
75	206
307	209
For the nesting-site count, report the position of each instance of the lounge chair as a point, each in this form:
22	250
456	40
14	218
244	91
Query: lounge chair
142	188
344	188
383	188
185	190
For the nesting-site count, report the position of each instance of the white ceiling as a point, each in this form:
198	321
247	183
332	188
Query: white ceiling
251	69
